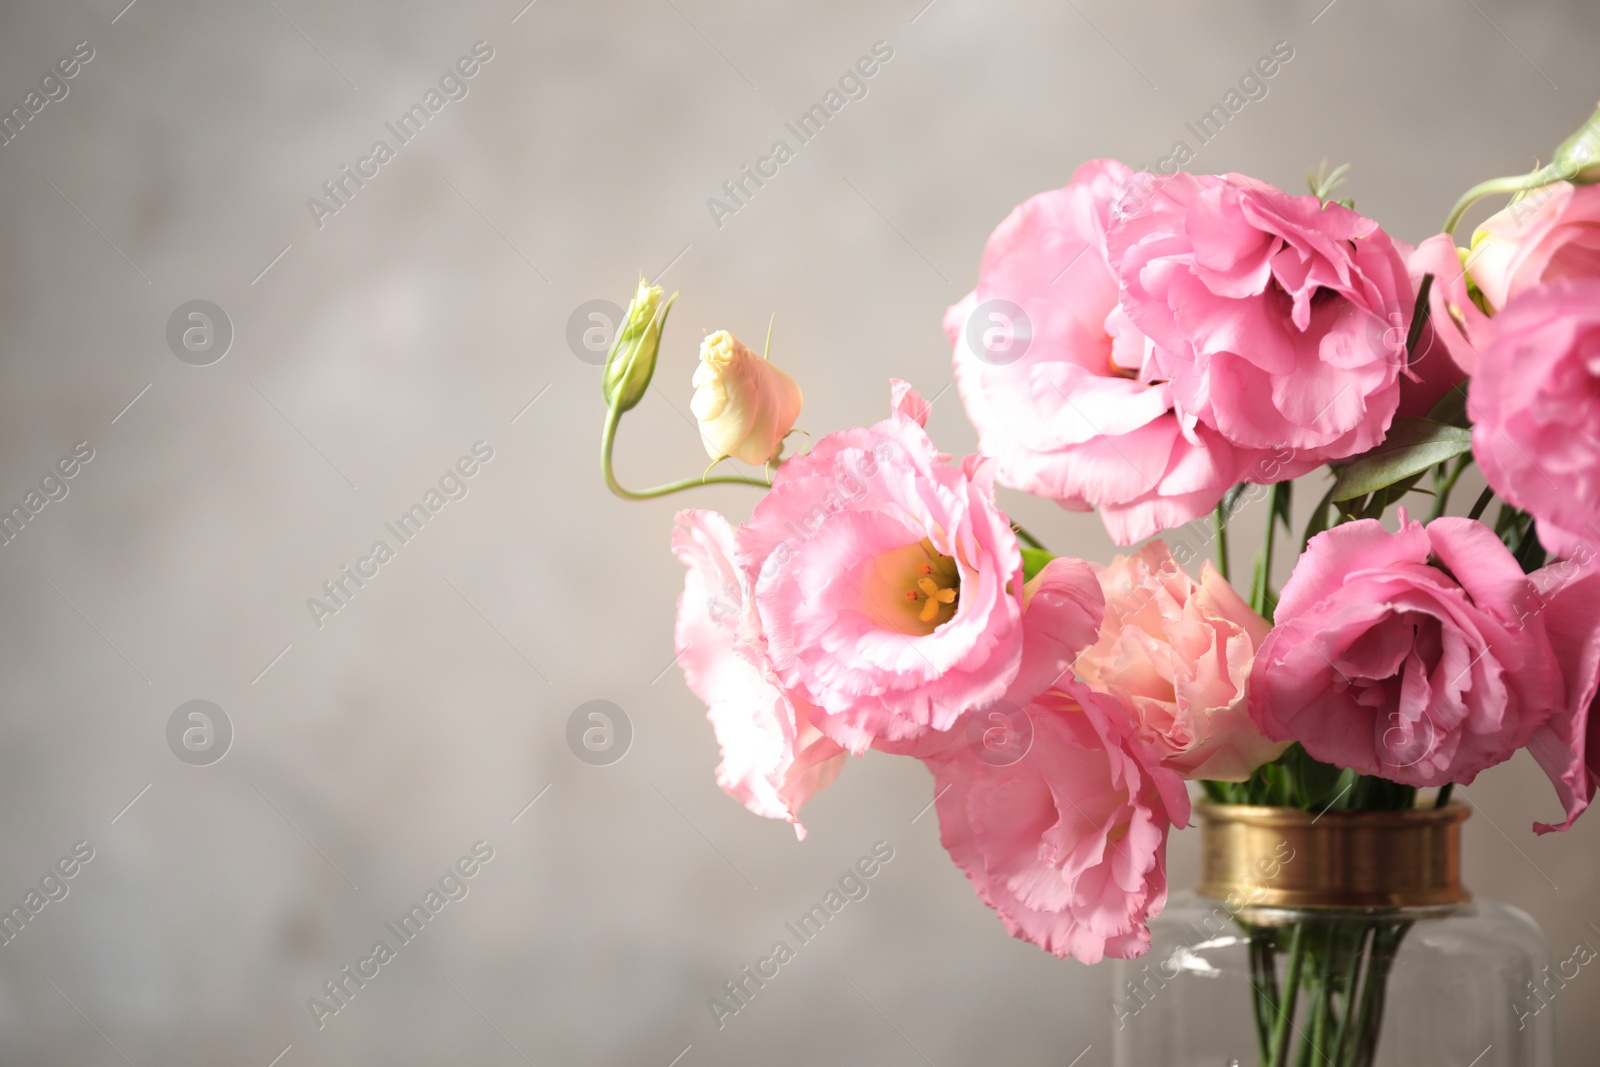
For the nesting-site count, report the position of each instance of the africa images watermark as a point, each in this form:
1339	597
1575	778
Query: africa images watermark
740	991
1541	994
342	588
1217	923
341	189
341	989
52	88
52	487
1252	86
852	86
52	888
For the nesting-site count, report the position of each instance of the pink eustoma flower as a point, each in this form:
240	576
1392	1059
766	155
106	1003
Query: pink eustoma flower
889	586
1065	390
1535	404
1068	843
1408	655
1278	321
773	757
1568	746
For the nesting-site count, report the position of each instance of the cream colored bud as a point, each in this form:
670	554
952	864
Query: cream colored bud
745	404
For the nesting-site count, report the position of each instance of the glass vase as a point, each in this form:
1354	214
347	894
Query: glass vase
1339	940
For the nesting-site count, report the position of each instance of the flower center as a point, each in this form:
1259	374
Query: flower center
914	589
1113	368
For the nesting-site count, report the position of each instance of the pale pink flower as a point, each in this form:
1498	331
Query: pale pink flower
1535	404
1062	607
1177	653
1063	388
1408	655
1546	235
1068	844
1277	321
773	757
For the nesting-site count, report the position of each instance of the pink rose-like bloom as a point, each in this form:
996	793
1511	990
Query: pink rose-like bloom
773	758
1382	662
1068	844
888	584
1549	234
1568	746
1277	321
1535	402
1177	653
1061	385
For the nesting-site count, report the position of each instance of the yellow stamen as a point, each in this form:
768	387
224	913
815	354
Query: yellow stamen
914	589
936	596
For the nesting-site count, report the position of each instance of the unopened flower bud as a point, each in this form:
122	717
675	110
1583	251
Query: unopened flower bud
745	404
1578	158
632	361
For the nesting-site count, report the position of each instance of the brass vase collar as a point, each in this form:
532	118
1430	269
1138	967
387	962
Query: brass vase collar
1287	858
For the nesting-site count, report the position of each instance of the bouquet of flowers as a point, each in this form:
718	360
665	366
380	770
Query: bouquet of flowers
1163	348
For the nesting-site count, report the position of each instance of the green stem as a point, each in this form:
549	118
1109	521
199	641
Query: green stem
1443	488
1483	502
1263	982
1027	538
1291	991
1385	945
1315	1017
1221	520
1444	795
608	439
1516	184
1362	954
1259	589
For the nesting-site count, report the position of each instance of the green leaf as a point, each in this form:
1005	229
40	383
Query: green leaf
1419	314
1530	553
1033	561
1230	499
1320	782
1281	502
1393	494
1452	408
1413	445
1319	518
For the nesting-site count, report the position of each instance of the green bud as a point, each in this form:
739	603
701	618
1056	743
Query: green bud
1578	158
632	362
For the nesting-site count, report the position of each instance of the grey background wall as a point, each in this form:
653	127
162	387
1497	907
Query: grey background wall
372	351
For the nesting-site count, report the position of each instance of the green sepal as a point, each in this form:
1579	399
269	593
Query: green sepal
1033	561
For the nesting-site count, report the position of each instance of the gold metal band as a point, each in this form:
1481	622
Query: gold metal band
1286	858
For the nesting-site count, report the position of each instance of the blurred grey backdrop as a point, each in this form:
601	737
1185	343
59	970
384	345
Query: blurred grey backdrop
372	347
